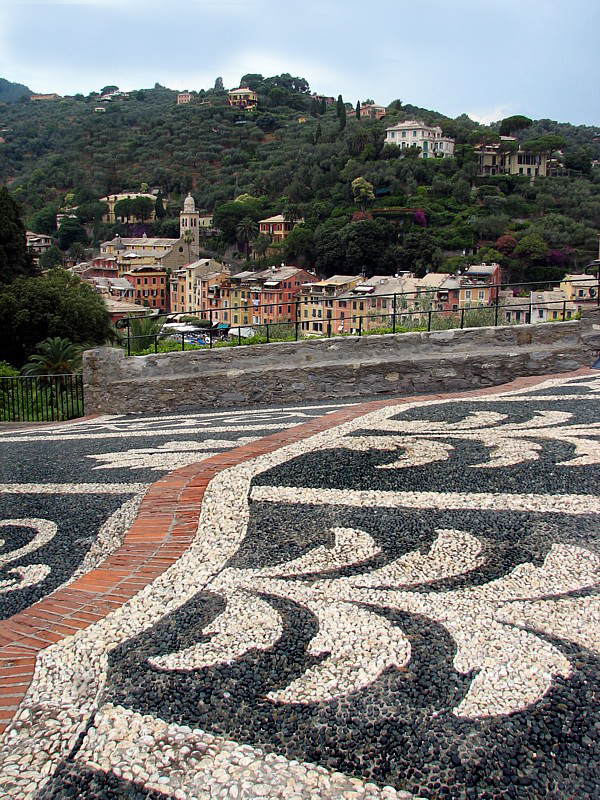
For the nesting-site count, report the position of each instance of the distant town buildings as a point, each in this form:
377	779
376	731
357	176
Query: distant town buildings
183	98
371	110
52	96
414	133
38	243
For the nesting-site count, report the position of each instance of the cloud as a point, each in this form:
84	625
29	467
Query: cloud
490	115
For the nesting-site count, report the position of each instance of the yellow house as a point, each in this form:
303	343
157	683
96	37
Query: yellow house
580	289
243	98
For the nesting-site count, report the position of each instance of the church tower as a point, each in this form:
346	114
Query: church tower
189	220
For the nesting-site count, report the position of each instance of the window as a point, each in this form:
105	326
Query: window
541	313
481	295
467	294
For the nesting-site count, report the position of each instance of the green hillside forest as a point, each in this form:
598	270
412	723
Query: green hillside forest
365	206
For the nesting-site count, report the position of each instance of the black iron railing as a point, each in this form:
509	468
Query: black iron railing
47	398
404	312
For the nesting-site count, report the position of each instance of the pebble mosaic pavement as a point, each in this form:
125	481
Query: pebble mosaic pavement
394	599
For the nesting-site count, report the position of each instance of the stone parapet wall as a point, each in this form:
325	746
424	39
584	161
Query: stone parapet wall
325	369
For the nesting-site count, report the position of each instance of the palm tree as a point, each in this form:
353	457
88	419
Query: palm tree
55	356
143	331
292	212
188	238
246	231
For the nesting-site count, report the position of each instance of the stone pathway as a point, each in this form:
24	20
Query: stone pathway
396	599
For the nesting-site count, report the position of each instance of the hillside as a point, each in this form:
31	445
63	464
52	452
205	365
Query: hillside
294	154
11	92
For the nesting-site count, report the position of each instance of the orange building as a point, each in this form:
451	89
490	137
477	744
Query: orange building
278	227
149	286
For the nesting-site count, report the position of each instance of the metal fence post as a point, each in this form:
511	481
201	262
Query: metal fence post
429	320
564	310
360	326
462	318
394	322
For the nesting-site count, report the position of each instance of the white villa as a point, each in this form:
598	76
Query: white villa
414	133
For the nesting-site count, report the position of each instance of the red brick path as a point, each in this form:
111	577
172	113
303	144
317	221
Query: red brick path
163	529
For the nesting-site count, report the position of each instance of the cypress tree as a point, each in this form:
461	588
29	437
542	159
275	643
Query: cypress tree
159	208
15	258
343	118
323	106
358	109
339	107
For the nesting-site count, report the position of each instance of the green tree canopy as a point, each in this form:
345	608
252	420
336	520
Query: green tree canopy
70	231
511	125
54	304
55	356
362	191
15	258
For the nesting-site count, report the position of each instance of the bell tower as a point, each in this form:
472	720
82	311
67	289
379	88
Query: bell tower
189	220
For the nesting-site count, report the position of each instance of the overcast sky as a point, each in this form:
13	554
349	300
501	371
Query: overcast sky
488	58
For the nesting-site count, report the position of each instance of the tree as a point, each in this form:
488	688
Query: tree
547	143
44	220
339	106
293	212
511	125
70	231
343	118
357	112
532	248
108	89
299	246
51	258
580	160
143	331
188	238
505	244
54	304
228	215
261	244
159	208
365	245
362	191
55	356
246	231
15	258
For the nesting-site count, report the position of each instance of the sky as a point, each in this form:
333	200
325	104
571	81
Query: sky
487	58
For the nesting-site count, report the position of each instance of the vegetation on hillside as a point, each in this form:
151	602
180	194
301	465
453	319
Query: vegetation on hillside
295	155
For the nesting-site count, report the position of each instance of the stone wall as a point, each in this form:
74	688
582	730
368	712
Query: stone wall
325	369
